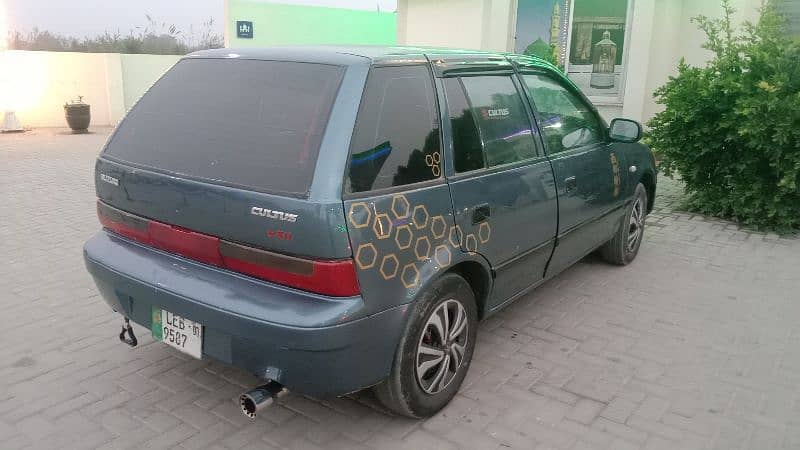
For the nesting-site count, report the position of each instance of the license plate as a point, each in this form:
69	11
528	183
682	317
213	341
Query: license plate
178	332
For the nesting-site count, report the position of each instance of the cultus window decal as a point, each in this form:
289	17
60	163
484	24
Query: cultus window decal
498	113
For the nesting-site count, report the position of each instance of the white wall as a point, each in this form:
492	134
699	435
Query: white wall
139	72
37	84
470	24
675	36
661	33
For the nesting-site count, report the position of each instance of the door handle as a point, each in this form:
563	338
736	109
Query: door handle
570	184
480	213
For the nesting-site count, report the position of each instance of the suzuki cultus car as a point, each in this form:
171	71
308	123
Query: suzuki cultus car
335	219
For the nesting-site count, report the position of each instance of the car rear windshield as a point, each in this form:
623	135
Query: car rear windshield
244	123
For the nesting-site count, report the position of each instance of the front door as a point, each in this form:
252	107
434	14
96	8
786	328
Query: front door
587	170
501	184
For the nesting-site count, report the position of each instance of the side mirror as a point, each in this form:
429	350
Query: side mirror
625	130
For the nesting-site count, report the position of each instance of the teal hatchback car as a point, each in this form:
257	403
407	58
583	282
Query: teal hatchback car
334	219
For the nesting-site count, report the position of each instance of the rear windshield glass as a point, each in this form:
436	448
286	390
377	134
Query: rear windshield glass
251	124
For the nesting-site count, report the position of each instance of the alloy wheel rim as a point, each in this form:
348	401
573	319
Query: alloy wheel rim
636	224
442	347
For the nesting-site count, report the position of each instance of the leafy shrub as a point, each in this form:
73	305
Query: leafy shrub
731	129
154	38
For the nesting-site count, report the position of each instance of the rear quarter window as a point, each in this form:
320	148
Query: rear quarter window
245	123
396	137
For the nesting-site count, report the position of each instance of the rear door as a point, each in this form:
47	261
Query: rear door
229	147
586	167
501	184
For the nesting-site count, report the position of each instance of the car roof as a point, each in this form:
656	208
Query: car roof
357	54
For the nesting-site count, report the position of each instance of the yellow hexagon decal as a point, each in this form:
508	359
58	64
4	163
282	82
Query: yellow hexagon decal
359	214
420	217
410	275
442	255
422	248
403	237
366	255
382	226
471	243
484	232
400	206
389	264
438	227
455	236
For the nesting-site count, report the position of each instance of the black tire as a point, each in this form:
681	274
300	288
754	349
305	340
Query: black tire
619	250
403	392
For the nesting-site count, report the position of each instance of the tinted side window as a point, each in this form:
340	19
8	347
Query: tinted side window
502	119
566	122
396	136
468	153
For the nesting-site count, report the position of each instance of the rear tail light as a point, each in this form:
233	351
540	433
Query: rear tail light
329	277
197	246
122	223
337	278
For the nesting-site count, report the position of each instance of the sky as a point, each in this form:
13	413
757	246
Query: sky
534	21
80	18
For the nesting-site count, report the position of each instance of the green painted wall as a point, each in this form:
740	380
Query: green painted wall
279	24
139	72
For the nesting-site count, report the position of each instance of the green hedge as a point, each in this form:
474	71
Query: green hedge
731	129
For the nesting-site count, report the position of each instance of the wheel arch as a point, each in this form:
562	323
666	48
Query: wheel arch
479	279
648	179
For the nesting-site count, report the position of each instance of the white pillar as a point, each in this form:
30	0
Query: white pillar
638	59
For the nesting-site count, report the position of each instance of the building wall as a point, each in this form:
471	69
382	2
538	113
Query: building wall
139	72
282	24
37	84
472	24
675	36
661	33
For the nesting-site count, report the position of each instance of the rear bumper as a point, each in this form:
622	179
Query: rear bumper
312	344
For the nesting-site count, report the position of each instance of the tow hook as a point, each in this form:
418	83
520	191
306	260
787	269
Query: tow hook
127	328
261	397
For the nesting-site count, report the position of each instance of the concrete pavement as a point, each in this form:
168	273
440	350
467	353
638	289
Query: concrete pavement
694	345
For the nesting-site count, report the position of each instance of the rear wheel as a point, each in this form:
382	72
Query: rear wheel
435	352
624	246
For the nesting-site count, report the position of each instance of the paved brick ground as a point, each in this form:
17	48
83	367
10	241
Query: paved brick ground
695	345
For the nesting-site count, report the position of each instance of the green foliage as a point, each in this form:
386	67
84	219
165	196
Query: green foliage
154	38
731	129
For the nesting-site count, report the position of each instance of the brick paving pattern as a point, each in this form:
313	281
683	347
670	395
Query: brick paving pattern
694	345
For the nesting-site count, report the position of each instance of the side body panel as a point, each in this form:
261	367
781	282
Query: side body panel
638	165
401	242
403	237
517	239
590	209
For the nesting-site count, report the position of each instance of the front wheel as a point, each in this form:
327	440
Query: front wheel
435	352
624	246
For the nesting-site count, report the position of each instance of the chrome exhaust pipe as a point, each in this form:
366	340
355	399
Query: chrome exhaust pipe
260	398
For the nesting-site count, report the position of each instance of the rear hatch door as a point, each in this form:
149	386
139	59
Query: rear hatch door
228	147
